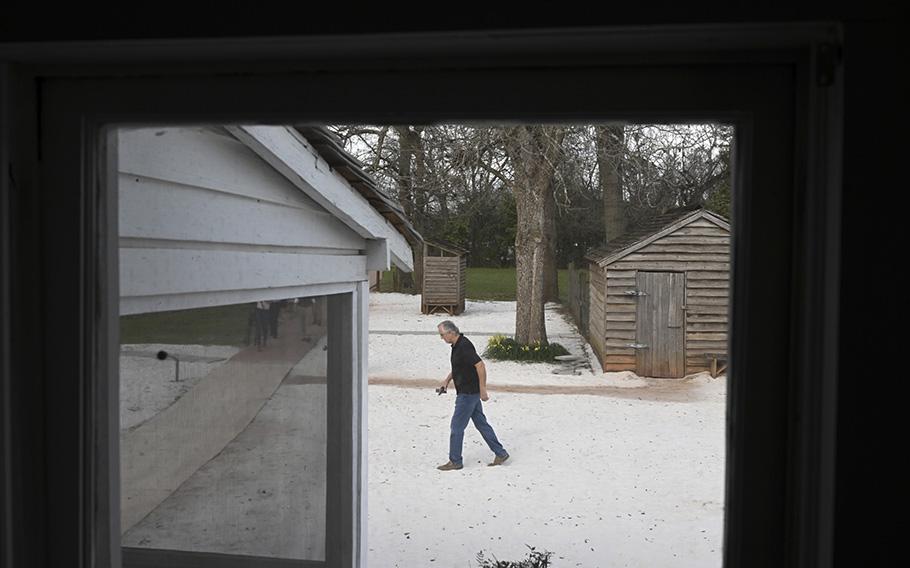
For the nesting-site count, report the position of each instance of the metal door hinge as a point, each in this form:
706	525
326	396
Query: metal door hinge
635	293
638	345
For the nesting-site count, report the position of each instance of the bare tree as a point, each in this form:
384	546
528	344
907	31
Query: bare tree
674	165
533	152
610	144
468	183
410	181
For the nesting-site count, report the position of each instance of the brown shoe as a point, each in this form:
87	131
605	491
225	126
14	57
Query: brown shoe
498	460
449	466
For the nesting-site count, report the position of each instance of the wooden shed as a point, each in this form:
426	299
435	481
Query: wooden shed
659	296
444	278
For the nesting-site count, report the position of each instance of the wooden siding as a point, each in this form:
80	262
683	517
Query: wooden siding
659	320
289	153
463	264
701	250
203	219
444	282
596	318
441	280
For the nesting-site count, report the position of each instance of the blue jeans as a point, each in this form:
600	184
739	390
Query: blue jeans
469	407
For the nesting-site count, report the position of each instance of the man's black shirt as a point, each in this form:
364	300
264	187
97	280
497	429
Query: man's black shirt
464	357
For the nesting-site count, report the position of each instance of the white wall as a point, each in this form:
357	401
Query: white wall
205	221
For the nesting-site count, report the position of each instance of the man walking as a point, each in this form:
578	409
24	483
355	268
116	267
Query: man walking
470	376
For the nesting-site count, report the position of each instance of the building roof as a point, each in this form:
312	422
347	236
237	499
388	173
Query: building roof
331	149
447	246
650	229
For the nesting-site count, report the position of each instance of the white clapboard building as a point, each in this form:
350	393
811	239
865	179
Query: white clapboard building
223	215
218	216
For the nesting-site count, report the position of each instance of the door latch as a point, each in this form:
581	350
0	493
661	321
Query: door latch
638	345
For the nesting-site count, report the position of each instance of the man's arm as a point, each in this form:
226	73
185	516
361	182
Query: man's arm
445	383
482	377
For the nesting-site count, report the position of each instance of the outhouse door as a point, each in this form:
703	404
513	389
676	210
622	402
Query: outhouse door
661	324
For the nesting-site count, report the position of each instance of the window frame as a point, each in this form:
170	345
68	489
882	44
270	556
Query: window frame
777	83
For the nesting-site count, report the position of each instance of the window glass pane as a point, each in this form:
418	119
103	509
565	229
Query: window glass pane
223	429
616	449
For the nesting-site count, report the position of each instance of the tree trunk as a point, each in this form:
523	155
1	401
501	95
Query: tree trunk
532	151
404	171
550	270
406	152
610	142
529	254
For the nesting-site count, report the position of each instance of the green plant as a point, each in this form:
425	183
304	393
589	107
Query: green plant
535	559
505	348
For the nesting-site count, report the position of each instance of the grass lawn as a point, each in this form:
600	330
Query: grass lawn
221	325
493	284
227	325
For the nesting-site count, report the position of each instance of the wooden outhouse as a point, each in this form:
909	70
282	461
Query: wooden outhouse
659	296
444	278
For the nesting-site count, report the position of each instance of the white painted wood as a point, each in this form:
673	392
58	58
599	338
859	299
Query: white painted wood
158	209
127	242
290	153
160	303
182	271
205	221
197	156
378	257
361	348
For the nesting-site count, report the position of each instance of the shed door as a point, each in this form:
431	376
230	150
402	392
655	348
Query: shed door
660	328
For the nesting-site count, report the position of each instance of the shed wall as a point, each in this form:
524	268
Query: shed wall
701	250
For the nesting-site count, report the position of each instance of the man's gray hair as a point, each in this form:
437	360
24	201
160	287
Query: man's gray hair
449	326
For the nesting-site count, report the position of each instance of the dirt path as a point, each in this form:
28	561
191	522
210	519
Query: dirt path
669	390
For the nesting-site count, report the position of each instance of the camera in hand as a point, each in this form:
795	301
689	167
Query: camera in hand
441	390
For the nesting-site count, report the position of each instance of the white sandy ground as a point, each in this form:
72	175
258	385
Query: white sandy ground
633	478
599	481
395	320
630	477
147	385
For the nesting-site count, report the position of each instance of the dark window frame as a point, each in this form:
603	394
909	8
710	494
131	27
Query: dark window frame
780	85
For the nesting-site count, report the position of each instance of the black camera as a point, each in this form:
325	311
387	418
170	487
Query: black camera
441	390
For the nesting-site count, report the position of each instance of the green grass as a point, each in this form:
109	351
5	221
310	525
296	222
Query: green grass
493	284
222	325
227	325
